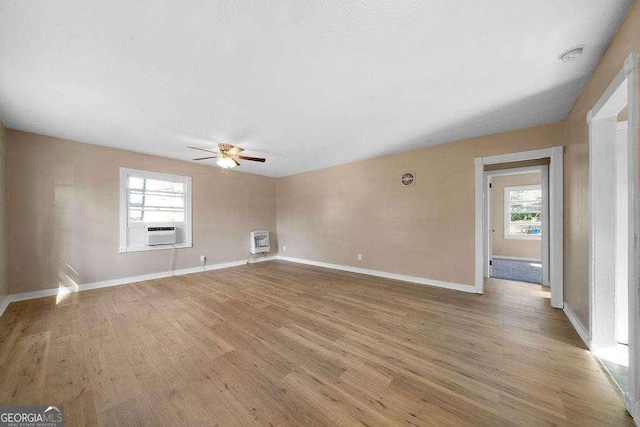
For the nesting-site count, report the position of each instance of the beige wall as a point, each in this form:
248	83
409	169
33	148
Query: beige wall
73	229
331	215
521	248
3	214
576	175
623	116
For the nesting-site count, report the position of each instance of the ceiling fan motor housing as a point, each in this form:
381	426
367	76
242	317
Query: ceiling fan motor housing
225	147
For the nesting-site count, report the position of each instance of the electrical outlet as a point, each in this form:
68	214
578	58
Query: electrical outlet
203	259
284	249
359	257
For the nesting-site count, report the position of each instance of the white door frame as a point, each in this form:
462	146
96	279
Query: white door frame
604	110
555	156
544	184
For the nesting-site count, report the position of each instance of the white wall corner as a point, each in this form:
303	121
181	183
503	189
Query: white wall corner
589	116
582	331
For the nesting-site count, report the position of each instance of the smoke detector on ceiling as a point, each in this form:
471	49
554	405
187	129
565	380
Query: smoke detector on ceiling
571	54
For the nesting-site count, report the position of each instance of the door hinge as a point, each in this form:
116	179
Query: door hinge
490	185
490	262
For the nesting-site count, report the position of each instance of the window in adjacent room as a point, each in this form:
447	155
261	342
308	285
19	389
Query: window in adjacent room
522	212
152	199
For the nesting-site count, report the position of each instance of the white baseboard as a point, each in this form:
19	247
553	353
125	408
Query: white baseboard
633	409
4	304
578	326
117	282
401	277
517	258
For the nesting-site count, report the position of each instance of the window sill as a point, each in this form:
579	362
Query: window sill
155	248
512	237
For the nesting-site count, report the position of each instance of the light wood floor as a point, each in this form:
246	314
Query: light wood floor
281	343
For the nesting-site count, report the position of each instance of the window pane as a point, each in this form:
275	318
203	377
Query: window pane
135	215
524	211
525	207
163	216
135	182
525	228
149	201
525	200
526	217
164	201
168	186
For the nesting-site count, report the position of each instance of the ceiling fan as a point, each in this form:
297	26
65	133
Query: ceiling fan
228	156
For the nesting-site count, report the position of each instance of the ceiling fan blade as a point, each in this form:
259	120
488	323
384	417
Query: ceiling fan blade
236	150
205	158
253	159
202	149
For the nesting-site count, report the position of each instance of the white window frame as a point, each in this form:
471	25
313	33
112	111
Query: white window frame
507	214
124	211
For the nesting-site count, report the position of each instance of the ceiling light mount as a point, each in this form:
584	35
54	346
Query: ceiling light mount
572	54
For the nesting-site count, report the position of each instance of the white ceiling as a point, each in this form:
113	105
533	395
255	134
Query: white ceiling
306	84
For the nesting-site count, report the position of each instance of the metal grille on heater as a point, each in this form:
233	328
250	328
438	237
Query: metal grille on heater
260	242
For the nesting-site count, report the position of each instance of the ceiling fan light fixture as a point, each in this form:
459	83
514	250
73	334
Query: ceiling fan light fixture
226	162
228	156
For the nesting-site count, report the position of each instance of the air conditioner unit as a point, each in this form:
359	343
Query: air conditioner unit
161	236
259	242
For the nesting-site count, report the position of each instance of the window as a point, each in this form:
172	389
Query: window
153	199
523	212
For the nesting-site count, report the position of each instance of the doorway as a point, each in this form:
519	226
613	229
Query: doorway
613	213
518	219
552	241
